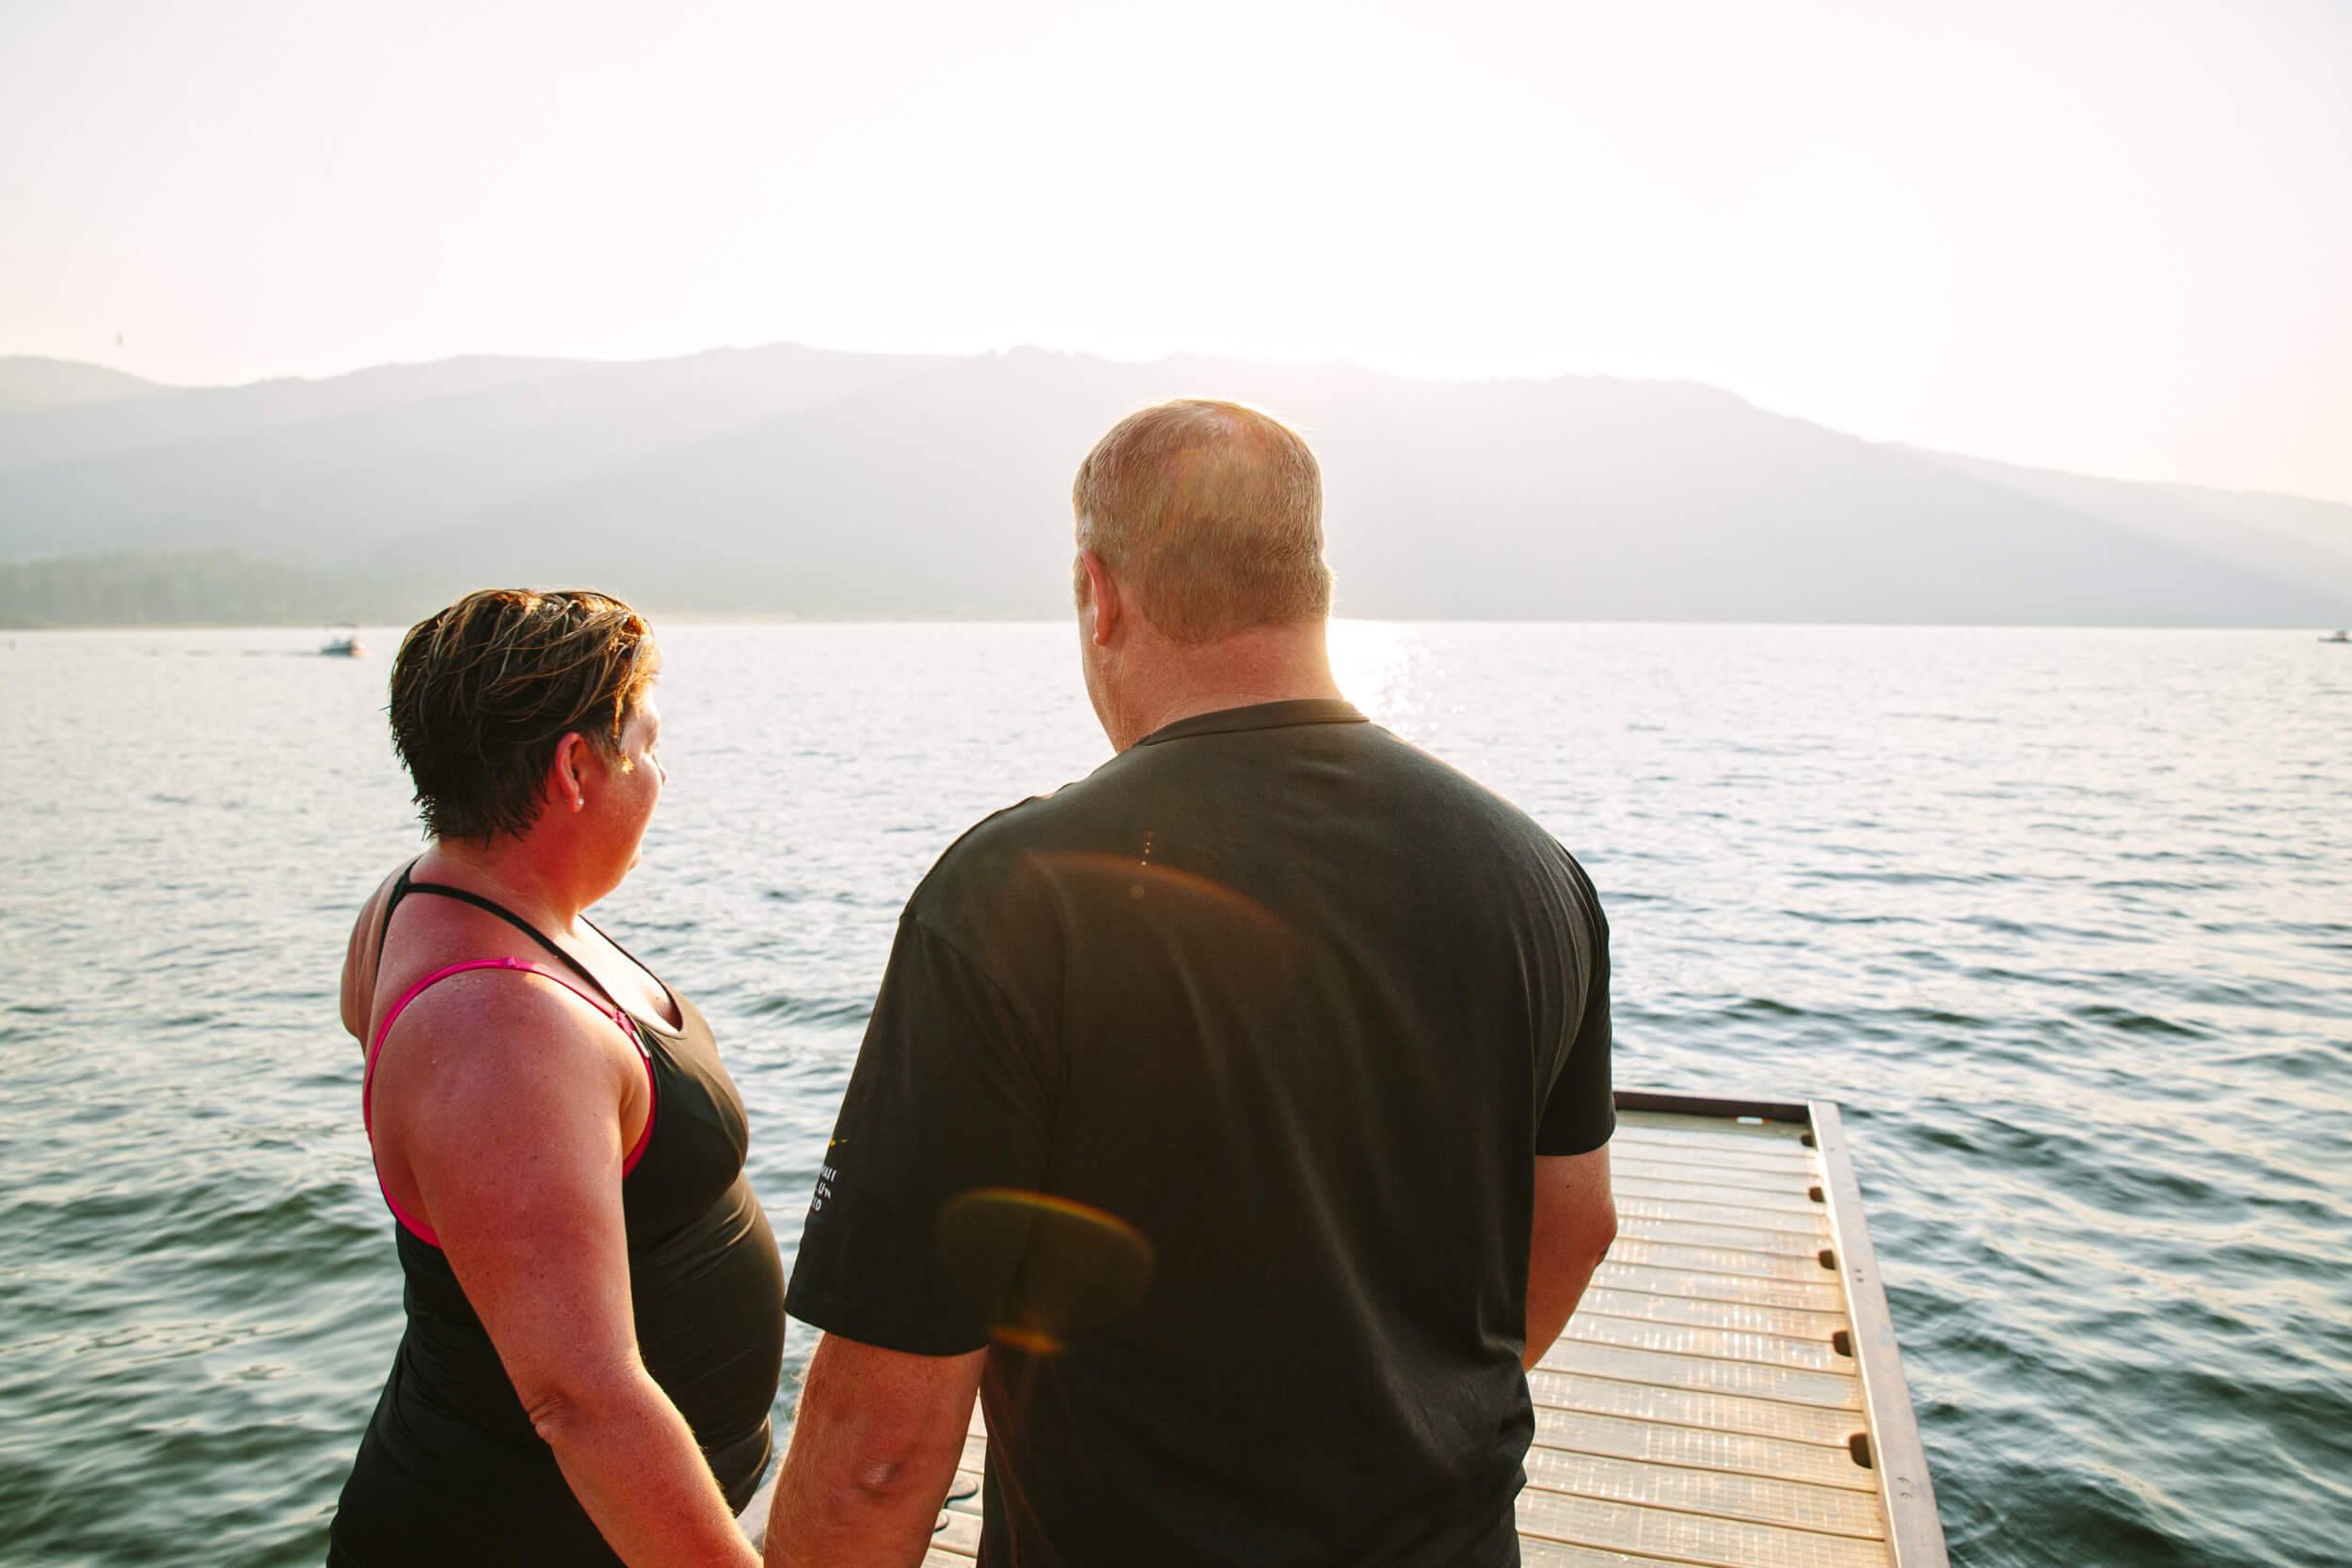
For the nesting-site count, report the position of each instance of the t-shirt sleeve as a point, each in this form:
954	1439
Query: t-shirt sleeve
1580	1113
949	1097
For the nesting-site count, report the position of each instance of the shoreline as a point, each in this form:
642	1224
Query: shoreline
15	626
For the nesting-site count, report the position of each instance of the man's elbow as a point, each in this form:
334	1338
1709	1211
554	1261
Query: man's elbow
1575	1248
877	1477
1600	1233
867	1481
866	1457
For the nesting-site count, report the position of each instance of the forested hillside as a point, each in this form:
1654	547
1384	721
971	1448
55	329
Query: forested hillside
789	480
194	588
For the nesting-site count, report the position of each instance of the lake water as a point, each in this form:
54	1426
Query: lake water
2064	918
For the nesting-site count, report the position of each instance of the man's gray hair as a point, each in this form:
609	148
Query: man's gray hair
1213	511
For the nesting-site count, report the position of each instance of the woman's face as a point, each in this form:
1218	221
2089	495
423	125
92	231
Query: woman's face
632	785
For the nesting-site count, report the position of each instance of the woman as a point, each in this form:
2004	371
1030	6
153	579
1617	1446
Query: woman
595	1306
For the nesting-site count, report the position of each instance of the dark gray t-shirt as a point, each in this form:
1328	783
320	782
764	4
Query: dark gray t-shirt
1206	1091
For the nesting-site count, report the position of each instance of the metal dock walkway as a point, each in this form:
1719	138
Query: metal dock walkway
1728	1393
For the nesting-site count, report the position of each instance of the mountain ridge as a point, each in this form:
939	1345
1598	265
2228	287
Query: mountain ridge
786	480
36	381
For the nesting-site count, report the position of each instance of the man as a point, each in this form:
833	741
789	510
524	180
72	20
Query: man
1234	1120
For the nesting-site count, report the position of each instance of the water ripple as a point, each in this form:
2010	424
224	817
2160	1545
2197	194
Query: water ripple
2058	916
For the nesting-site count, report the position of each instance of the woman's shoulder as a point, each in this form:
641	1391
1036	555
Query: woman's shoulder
498	1101
490	1051
363	956
462	1006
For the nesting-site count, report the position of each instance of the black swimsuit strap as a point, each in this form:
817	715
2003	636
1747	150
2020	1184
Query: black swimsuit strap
402	888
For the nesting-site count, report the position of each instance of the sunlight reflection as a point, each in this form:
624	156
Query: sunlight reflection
1373	661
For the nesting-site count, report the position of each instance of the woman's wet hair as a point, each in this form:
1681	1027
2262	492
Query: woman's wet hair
483	691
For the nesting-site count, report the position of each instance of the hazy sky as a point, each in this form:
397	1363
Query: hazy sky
2109	235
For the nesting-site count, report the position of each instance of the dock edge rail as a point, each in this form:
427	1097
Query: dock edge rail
1915	1530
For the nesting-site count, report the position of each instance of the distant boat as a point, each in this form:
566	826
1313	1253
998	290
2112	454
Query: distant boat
344	642
2338	636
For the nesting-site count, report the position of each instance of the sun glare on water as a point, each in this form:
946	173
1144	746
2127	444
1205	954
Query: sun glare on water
1372	663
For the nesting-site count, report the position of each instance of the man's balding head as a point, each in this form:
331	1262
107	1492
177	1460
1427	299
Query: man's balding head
1213	511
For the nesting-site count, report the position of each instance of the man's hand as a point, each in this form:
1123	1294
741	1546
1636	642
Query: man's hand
1576	1219
874	1449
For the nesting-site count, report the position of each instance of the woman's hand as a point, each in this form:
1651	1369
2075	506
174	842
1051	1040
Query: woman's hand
504	1108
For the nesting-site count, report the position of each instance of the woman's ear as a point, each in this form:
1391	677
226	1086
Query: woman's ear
567	774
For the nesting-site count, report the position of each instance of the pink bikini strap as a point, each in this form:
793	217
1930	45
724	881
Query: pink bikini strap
367	1079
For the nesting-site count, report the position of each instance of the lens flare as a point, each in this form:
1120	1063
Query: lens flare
1044	1268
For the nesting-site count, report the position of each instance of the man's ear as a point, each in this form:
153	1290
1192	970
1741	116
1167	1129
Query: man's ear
1099	600
567	773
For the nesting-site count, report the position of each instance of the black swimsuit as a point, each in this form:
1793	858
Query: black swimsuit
450	1473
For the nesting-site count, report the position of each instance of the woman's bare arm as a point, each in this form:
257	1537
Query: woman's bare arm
358	987
513	1154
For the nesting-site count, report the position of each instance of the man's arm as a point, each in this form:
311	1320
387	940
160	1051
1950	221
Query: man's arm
873	1450
1576	1219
